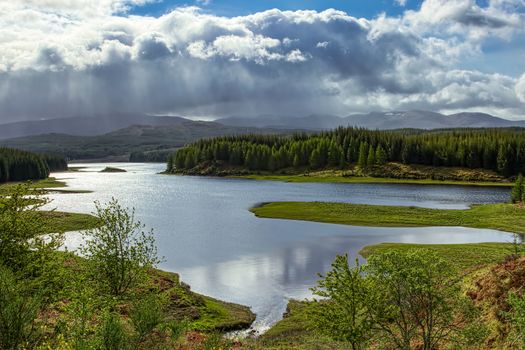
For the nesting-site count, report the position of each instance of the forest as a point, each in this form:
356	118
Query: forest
501	150
17	165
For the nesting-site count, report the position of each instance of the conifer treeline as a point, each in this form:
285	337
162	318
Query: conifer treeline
17	165
502	150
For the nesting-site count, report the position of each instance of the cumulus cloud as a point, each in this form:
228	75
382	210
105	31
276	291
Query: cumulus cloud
64	57
520	88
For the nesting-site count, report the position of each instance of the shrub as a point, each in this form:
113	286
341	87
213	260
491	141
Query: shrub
17	313
120	250
111	333
146	315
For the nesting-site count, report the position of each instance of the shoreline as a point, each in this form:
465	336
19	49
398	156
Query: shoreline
367	180
503	217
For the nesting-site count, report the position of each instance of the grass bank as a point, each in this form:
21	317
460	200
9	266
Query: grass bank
50	185
57	221
393	172
462	256
505	217
327	177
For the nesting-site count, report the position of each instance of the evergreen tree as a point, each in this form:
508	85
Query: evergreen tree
502	150
502	161
371	159
518	190
380	156
363	153
316	159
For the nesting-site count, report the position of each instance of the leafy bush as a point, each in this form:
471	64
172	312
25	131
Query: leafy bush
120	250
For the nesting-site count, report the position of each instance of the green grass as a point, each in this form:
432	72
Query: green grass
367	179
505	217
50	185
50	182
222	316
462	256
56	221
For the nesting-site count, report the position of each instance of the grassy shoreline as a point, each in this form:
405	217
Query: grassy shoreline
504	217
302	178
49	185
390	173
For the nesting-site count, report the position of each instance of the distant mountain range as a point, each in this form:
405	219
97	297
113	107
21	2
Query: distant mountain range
377	120
99	125
84	126
154	141
119	135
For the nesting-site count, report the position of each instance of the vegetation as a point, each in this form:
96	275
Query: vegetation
489	284
111	299
119	250
398	299
16	165
500	150
518	190
462	256
110	169
505	217
389	173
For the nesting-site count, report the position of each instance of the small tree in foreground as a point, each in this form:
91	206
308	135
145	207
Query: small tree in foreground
120	250
399	299
344	313
417	297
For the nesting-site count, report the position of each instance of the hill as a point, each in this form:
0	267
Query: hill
84	126
378	120
146	140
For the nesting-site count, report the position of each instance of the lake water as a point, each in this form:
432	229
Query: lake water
206	233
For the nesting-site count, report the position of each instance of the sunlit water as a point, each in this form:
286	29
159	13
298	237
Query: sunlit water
206	233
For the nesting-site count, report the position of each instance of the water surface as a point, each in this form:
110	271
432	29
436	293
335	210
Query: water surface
206	233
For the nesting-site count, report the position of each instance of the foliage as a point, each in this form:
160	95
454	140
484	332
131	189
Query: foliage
25	243
18	310
120	250
344	313
17	165
518	190
516	316
146	315
111	333
416	297
398	298
501	150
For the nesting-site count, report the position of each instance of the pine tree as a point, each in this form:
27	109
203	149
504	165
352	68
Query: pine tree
518	190
315	159
363	152
502	161
371	159
380	156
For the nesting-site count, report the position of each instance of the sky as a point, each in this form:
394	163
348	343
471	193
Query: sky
216	58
